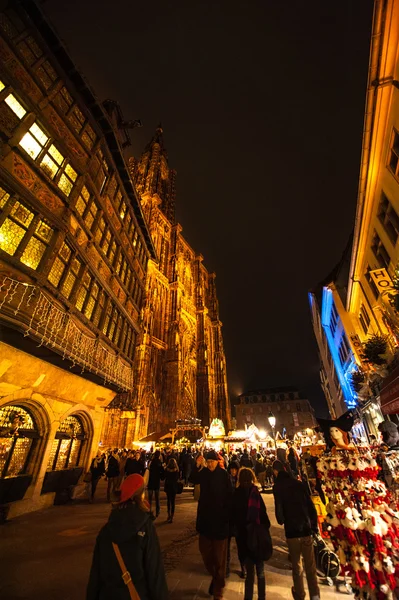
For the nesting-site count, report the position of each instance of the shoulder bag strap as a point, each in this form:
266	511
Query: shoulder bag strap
125	573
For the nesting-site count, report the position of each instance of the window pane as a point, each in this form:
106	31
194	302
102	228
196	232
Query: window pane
65	184
11	235
33	253
52	455
71	172
62	455
65	252
38	133
56	154
30	145
15	106
56	272
19	456
80	206
49	166
81	297
4	196
68	284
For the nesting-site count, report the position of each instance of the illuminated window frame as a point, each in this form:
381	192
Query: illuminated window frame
87	207
35	234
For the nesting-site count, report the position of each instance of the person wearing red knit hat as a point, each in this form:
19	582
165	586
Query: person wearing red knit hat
129	533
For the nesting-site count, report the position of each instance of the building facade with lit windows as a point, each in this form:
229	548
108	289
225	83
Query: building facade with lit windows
180	359
369	310
375	255
293	413
74	247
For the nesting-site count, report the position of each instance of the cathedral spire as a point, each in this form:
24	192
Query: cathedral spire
152	174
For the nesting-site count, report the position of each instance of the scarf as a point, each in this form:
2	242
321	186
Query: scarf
253	514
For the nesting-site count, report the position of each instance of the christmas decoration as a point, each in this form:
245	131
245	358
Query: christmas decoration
57	329
363	522
375	349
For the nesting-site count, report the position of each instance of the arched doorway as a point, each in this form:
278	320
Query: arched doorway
19	436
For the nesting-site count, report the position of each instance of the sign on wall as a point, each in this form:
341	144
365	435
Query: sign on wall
382	280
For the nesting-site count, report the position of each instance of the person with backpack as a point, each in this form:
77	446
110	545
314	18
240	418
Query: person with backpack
128	544
295	510
249	509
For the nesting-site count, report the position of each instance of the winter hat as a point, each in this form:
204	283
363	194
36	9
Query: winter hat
212	455
234	465
131	486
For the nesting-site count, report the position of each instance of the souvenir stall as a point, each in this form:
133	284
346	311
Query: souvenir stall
362	516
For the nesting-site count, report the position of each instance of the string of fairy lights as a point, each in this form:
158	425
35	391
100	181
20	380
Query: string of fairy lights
57	329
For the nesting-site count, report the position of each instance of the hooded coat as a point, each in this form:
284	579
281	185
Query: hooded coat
134	532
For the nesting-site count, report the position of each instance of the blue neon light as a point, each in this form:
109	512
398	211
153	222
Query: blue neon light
343	371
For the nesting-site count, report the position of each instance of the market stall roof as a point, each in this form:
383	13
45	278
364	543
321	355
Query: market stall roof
156	436
389	394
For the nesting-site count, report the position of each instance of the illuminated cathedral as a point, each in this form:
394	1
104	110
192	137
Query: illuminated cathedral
180	364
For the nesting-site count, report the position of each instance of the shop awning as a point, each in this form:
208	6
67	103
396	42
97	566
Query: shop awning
389	394
156	436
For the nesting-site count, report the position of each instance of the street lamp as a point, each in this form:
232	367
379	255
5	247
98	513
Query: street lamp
272	420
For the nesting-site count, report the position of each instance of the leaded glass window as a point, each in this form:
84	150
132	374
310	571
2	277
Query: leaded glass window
67	446
17	437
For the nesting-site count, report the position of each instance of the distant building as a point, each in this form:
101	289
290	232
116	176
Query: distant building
180	360
293	413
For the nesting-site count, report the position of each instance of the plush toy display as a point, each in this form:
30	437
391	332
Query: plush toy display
362	517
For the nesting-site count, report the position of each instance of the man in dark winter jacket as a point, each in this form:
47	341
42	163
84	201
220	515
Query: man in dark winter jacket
213	519
295	510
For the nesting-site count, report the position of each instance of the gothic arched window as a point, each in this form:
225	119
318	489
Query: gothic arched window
18	434
67	446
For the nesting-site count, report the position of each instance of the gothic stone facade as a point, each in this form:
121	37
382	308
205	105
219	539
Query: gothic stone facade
180	360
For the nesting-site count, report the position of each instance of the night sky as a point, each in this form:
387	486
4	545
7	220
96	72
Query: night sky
262	106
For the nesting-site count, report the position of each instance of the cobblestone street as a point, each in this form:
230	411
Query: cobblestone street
47	554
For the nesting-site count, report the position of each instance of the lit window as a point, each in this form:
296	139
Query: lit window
15	106
4	197
71	278
10	236
83	290
59	265
17	226
33	141
2	86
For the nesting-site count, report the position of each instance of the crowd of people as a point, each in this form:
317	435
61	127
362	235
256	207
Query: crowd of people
127	560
